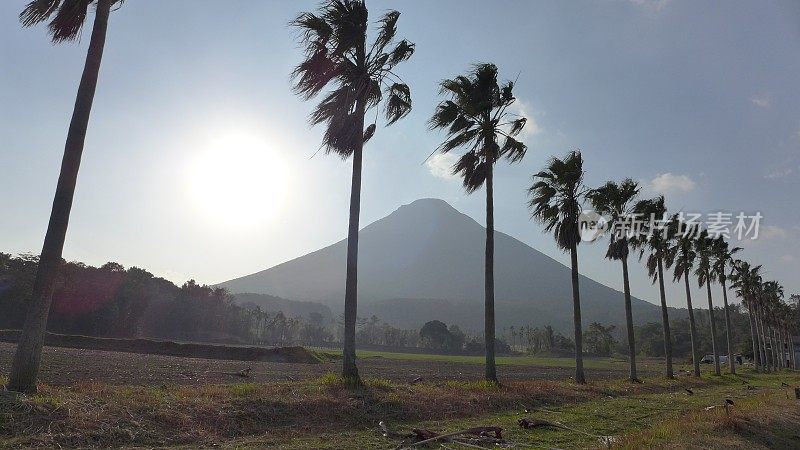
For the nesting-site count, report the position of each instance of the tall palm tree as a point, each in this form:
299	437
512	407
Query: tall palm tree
616	202
654	242
741	277
357	77
476	118
681	255
772	298
723	256
66	19
704	247
556	199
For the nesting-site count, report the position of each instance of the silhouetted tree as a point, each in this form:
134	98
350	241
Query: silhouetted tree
616	202
704	247
359	76
654	243
556	199
681	254
476	118
66	18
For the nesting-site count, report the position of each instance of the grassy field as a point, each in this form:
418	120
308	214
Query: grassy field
322	413
541	361
764	415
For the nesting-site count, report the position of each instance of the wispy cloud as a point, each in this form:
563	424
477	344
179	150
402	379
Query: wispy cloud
651	4
772	232
524	109
780	173
440	165
761	100
665	183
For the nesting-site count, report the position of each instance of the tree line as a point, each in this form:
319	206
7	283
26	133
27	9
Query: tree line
354	76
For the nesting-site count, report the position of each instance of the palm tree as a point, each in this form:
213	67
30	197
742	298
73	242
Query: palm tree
476	118
557	195
655	243
616	202
722	256
773	297
357	77
66	19
744	280
704	247
681	255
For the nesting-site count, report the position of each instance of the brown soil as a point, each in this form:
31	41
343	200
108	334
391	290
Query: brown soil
64	366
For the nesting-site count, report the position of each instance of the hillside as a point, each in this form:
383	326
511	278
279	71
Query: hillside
425	261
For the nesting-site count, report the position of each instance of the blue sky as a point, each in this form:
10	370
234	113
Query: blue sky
698	100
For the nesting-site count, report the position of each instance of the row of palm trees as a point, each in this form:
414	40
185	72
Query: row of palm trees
769	317
355	76
557	199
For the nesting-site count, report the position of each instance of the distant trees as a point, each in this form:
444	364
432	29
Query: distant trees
600	340
359	76
66	19
476	118
556	199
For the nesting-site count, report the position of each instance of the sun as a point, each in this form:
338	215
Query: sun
239	180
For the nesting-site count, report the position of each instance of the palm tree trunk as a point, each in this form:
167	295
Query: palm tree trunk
782	336
349	369
25	367
665	319
629	320
714	348
773	336
757	361
762	340
491	370
580	378
728	329
692	325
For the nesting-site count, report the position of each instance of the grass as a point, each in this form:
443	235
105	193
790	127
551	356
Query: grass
324	413
637	420
543	361
768	420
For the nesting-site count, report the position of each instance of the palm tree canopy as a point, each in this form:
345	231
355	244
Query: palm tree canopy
704	248
681	250
616	202
475	116
556	198
337	57
746	281
653	240
722	255
66	17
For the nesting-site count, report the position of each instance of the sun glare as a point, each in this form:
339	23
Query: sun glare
238	180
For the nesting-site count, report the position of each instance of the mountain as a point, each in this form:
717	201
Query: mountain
425	261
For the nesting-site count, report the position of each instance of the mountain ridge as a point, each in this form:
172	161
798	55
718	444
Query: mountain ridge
429	250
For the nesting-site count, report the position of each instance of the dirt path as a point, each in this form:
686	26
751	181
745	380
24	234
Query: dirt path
62	366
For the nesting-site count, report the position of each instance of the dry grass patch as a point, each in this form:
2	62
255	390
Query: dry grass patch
770	420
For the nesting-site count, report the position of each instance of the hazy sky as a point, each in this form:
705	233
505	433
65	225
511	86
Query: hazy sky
198	161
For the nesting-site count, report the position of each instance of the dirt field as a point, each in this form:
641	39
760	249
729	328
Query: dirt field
63	366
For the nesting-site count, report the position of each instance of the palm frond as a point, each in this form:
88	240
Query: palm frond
555	198
38	11
399	103
336	59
